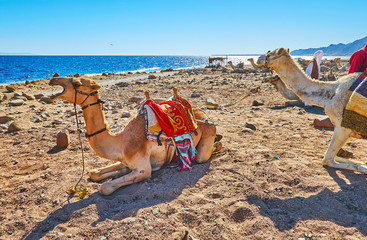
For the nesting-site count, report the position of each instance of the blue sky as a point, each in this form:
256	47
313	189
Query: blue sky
189	27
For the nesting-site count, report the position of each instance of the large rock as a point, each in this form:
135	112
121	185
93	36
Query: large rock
323	123
28	96
63	139
17	126
152	77
4	119
46	99
56	75
16	102
10	88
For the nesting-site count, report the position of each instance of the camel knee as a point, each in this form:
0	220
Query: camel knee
327	162
95	175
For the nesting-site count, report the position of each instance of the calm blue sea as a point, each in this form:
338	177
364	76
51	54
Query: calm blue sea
18	69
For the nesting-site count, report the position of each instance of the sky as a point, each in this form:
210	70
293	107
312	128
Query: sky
185	27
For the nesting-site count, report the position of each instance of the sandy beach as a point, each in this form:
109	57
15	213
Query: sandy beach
266	183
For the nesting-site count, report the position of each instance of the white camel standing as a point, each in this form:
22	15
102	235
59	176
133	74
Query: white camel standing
329	95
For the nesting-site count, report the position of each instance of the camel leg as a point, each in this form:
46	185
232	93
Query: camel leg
340	137
206	144
138	174
107	172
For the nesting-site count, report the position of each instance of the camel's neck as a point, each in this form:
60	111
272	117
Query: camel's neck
312	91
95	121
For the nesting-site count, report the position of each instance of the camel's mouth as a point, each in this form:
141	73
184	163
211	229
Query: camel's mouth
56	82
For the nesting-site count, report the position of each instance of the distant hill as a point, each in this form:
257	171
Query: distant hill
339	49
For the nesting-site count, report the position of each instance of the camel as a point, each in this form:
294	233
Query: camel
329	95
282	88
135	156
251	60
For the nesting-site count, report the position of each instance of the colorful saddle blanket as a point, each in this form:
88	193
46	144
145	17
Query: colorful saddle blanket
355	110
174	119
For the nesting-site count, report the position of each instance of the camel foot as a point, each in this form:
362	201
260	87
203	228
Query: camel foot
348	161
106	189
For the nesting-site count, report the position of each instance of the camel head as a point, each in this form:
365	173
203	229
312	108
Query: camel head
270	59
79	88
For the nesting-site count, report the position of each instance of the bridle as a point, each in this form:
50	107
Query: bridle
99	101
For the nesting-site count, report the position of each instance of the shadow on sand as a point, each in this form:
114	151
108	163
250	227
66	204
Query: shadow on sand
164	186
346	207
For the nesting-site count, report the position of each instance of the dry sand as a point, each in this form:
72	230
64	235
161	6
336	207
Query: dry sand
266	183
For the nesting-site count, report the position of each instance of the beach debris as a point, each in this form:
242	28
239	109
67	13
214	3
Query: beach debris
10	88
56	75
323	123
250	126
152	77
16	102
62	139
211	103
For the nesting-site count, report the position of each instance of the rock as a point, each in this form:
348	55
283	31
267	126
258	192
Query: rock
27	82
10	88
294	103
46	99
125	115
152	77
122	84
323	123
104	74
4	119
7	96
56	75
77	75
135	99
257	103
250	125
16	102
211	103
28	96
195	95
62	139
17	126
247	130
155	211
324	68
38	95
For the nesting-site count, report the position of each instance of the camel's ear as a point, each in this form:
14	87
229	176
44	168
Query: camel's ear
77	83
280	51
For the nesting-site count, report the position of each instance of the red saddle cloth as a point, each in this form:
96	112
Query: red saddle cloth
174	116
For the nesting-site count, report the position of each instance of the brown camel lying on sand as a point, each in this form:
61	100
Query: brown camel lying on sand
135	156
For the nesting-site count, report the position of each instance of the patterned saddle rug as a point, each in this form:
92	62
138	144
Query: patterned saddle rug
355	110
172	119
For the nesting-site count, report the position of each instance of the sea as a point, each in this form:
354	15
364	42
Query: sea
18	69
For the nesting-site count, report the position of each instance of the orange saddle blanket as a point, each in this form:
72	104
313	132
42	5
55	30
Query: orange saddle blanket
174	117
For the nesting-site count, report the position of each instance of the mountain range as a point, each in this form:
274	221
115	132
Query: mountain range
339	49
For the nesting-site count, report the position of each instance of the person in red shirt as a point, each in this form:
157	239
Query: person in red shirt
358	61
